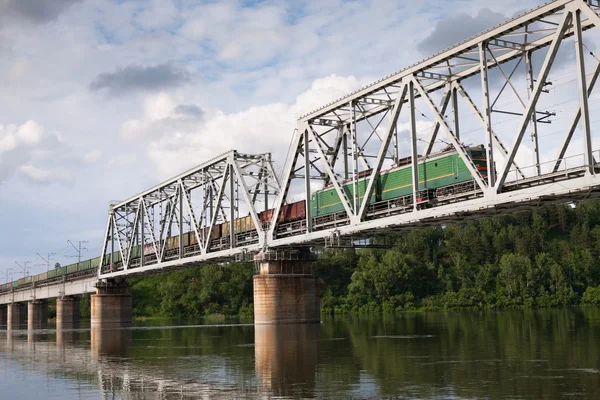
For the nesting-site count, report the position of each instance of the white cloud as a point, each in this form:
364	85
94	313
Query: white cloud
176	140
92	156
122	160
32	151
43	176
253	34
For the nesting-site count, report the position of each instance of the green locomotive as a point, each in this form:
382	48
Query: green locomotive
439	172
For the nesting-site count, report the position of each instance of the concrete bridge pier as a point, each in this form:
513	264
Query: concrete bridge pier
67	319
285	290
111	306
3	312
16	316
37	315
67	313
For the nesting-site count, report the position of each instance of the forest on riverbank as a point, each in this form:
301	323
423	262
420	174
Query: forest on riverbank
545	258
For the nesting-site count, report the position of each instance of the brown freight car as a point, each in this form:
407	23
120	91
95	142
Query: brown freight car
289	213
244	224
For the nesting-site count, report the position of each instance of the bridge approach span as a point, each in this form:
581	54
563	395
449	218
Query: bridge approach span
50	290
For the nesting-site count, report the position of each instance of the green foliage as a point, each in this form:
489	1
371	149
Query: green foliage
546	258
85	307
196	291
591	296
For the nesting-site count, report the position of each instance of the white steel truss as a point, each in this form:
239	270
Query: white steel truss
163	226
481	96
347	144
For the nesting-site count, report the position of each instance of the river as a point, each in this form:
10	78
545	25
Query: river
541	354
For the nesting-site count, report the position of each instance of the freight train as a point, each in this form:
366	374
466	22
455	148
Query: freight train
72	270
441	175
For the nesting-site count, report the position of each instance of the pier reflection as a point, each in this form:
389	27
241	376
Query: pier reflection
67	333
36	337
111	342
212	362
286	358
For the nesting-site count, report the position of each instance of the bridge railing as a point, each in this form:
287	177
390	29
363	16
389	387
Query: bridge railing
559	169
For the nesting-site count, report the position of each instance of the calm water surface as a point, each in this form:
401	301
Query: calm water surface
511	354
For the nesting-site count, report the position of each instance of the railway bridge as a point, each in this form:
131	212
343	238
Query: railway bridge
500	122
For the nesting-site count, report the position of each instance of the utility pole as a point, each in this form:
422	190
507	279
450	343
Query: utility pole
78	249
24	267
7	275
47	259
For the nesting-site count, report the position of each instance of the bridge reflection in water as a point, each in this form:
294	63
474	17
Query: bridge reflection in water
111	342
285	360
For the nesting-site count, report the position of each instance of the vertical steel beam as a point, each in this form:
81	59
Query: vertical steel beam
180	206
210	202
333	156
395	141
142	231
112	238
259	181
575	121
123	258
134	233
151	230
307	182
266	178
390	131
413	143
232	206
288	173
455	113
338	188
271	173
436	126
354	160
345	147
107	232
245	192
213	220
457	146
191	214
543	74
533	125
583	96
499	145
171	209
487	111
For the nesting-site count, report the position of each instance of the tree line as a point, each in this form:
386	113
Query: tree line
545	258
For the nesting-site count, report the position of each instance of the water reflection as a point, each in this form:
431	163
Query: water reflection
516	354
67	333
111	342
36	337
286	358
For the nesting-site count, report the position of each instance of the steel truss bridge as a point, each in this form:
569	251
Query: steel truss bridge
498	88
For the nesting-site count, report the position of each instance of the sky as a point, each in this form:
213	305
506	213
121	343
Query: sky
100	99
